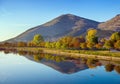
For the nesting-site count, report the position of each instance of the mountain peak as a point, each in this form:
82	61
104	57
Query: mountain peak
118	15
69	16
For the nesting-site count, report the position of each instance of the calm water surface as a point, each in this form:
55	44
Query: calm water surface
31	68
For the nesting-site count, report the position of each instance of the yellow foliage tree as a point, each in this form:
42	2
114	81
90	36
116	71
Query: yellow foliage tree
91	36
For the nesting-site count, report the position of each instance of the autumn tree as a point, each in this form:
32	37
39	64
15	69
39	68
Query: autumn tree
47	45
115	36
7	44
21	44
90	45
83	45
91	36
108	44
99	46
91	63
52	44
41	44
37	39
66	41
30	44
64	46
76	42
117	44
58	45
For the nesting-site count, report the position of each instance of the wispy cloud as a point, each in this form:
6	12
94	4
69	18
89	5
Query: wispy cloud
4	12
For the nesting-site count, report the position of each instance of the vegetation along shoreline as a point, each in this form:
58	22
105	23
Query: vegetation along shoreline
89	46
104	55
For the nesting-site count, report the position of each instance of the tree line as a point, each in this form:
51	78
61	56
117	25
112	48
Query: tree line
90	41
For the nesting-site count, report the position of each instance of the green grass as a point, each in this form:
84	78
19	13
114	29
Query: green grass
87	52
96	52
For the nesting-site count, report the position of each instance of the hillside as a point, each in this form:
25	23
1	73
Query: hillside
71	25
112	24
63	25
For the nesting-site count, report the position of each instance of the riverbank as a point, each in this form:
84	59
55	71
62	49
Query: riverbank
105	55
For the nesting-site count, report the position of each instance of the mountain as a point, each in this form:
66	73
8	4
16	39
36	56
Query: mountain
112	24
63	25
69	25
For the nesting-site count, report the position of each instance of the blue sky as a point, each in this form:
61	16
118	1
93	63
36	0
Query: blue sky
16	16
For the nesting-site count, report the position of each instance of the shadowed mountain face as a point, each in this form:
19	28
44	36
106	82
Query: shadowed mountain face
67	24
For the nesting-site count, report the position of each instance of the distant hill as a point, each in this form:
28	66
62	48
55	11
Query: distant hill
112	24
63	25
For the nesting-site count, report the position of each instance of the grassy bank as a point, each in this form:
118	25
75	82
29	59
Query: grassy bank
87	52
75	53
97	54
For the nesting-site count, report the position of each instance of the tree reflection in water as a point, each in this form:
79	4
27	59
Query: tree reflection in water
66	64
117	69
109	67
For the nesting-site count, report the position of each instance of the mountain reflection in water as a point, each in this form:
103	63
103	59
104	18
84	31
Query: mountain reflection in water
67	64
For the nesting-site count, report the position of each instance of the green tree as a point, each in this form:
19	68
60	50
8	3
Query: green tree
64	46
108	44
37	39
58	45
47	45
91	36
66	41
115	36
53	44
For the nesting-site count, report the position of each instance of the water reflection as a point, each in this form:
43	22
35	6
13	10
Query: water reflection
64	64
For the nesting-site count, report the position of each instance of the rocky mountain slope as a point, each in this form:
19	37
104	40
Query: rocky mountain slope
70	25
63	25
112	24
